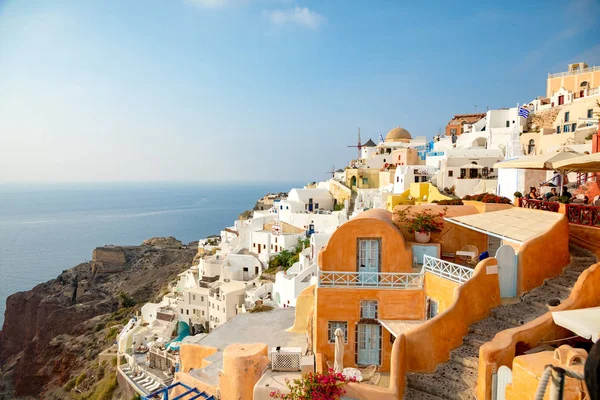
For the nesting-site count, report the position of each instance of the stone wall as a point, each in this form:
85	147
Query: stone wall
108	259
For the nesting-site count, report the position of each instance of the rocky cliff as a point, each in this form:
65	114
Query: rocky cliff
52	334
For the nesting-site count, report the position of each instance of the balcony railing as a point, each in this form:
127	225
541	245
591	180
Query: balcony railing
379	280
574	72
583	215
453	272
539	204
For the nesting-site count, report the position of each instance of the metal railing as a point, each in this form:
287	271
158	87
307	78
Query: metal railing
574	72
378	280
583	215
453	272
552	206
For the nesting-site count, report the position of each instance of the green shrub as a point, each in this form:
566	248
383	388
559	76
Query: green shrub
136	397
80	378
99	327
105	388
518	195
564	199
126	300
69	385
112	333
338	207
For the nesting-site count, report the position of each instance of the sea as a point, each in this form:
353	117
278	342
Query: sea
47	228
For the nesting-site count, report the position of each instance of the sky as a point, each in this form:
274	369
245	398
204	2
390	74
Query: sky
263	90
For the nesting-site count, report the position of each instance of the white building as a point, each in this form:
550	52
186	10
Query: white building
405	175
313	198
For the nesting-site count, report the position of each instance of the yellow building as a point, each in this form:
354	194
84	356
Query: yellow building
419	193
576	79
362	178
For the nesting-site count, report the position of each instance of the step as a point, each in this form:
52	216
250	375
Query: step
439	386
466	355
564	282
519	313
415	394
475	339
489	327
458	372
572	272
544	295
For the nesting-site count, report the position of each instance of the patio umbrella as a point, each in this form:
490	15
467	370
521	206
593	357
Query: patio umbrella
585	322
338	364
584	163
473	166
541	162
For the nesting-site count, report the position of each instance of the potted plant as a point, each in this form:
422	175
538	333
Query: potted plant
326	385
421	223
518	197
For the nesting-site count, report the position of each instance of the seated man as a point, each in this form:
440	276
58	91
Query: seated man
551	193
566	192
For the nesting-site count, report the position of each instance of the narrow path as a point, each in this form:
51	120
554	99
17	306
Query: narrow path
456	379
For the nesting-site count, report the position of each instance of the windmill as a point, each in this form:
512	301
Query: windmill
359	146
332	172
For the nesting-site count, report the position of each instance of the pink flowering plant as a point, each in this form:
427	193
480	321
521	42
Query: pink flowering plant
422	221
318	386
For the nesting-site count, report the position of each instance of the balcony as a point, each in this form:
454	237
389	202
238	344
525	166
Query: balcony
453	272
371	280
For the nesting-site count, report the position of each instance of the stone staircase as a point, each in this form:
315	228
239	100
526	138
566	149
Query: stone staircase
456	379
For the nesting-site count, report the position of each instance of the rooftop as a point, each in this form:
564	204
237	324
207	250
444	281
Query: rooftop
516	224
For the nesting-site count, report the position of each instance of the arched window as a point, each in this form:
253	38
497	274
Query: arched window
531	146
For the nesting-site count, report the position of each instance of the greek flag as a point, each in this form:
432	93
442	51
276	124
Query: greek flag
523	112
380	138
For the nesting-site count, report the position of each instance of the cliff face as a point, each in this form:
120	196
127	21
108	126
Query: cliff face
57	329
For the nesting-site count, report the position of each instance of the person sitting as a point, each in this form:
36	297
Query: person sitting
552	193
532	195
565	192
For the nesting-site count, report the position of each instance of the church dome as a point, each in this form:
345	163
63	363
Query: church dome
398	135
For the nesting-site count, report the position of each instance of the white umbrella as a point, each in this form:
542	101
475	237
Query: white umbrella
338	364
585	322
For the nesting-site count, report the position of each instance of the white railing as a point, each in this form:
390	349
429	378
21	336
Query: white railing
574	72
378	280
453	272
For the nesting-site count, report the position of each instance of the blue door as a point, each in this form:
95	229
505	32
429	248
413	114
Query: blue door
419	251
507	271
369	336
368	261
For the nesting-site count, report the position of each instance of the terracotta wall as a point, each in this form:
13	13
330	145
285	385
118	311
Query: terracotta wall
440	289
453	237
585	236
487	207
543	257
340	252
304	306
430	344
343	304
192	356
502	349
243	365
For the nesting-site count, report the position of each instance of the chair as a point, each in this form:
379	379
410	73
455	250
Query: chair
368	372
374	379
329	364
469	260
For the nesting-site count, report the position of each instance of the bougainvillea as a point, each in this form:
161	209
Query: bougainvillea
422	221
488	198
318	386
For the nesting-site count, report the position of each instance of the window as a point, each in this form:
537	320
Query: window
567	114
182	311
567	128
531	146
397	179
201	298
217	307
367	259
203	313
507	124
573	127
368	309
332	326
187	312
450	174
384	160
416	179
590	113
365	181
432	308
193	297
558	129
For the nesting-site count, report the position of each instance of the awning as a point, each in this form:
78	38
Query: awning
540	162
473	166
585	163
584	322
514	224
398	326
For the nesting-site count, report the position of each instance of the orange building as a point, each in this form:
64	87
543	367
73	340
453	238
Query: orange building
456	125
366	277
577	79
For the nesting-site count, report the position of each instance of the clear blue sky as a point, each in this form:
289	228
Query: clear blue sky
259	90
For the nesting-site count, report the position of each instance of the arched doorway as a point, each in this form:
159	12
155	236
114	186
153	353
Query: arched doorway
353	181
507	271
531	146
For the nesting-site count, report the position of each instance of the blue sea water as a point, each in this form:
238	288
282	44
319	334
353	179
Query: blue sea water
45	229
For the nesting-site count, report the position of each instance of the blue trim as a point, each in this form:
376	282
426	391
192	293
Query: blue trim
165	392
